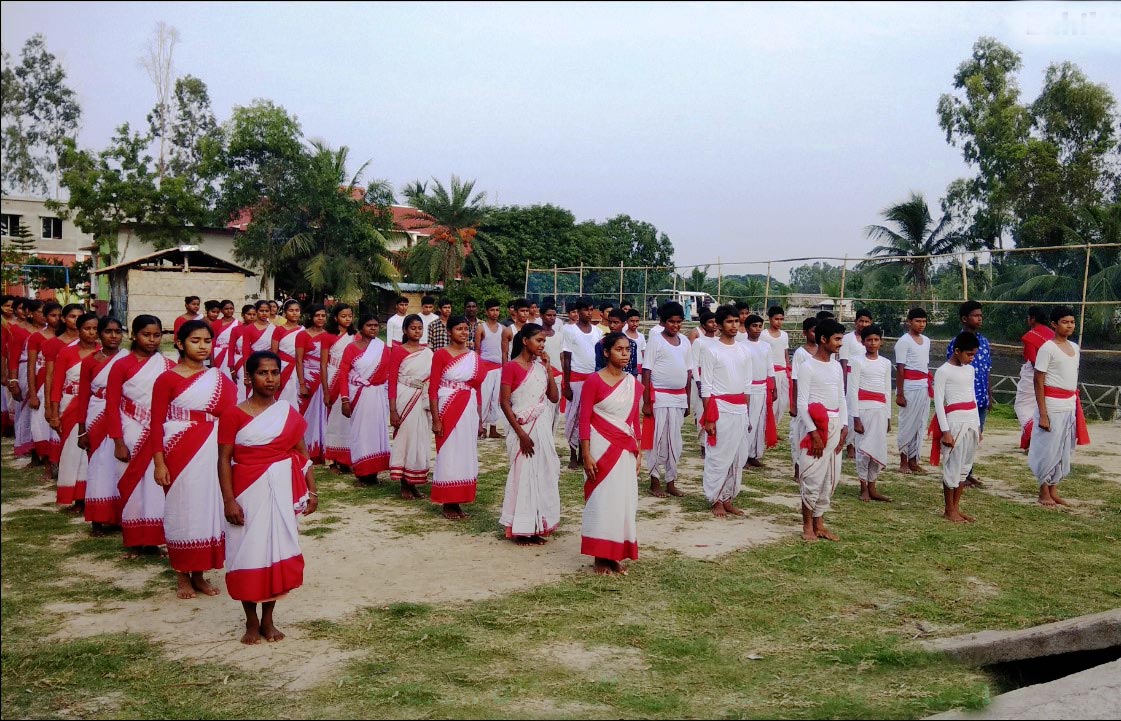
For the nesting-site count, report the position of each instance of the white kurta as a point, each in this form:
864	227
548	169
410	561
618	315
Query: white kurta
669	367
953	386
1050	451
873	377
582	346
821	382
726	374
778	347
914	417
761	370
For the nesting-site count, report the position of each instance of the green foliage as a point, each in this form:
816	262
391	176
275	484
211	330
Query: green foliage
480	289
454	248
194	139
1035	163
40	113
16	252
815	278
545	235
913	237
311	229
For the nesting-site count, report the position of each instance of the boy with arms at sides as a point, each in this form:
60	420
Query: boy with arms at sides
393	327
1059	423
493	341
853	347
427	306
760	414
824	413
665	382
631	331
725	379
914	387
1039	332
869	390
779	342
972	317
578	361
699	337
801	354
957	427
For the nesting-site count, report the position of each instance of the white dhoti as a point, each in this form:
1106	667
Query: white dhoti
957	461
1050	451
572	416
724	461
491	410
1025	398
756	426
662	458
913	421
819	476
782	386
871	445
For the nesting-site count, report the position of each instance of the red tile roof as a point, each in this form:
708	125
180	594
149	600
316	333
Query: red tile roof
405	218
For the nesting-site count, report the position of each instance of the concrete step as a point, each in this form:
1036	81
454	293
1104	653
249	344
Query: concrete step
1084	633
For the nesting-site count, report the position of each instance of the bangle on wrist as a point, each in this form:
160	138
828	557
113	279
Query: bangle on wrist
313	493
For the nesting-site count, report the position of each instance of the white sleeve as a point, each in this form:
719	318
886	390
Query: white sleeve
842	406
887	381
854	385
940	396
566	347
1043	357
708	367
650	357
804	385
901	350
748	379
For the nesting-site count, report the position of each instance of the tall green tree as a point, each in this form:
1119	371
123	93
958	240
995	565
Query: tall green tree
544	235
909	243
455	247
40	113
194	142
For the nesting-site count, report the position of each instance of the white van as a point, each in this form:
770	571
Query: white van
692	301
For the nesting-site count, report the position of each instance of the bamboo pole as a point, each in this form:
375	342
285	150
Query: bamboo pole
581	279
556	300
767	288
1082	309
964	279
526	293
620	283
841	300
719	281
645	290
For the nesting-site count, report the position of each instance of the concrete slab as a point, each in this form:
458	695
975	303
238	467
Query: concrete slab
1091	694
1084	633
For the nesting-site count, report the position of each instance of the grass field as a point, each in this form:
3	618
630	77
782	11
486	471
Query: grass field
783	629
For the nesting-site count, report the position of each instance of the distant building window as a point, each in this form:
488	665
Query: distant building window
11	224
52	228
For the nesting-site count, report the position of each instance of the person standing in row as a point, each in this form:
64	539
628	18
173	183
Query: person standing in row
394	326
191	306
531	503
47	320
762	430
1059	422
73	465
802	354
633	317
186	404
266	480
236	353
778	341
224	329
285	340
666	378
365	369
914	387
824	414
19	332
578	362
129	391
869	388
609	447
699	337
492	339
337	435
853	347
1039	332
453	394
256	337
410	364
438	336
102	504
972	318
726	376
956	429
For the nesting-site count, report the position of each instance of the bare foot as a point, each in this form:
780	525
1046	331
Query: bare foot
718	510
184	590
494	433
99	530
451	515
538	540
671	489
523	540
200	584
252	633
850	452
916	468
865	496
875	495
954	517
968	518
732	509
755	463
656	488
407	494
828	535
130	554
574	465
1057	498
271	633
809	535
619	568
904	469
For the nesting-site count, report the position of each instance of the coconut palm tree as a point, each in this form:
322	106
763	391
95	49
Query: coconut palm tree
455	246
340	246
911	242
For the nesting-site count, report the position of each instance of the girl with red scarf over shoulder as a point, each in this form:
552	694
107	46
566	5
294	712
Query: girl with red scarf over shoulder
73	465
409	366
284	343
104	470
130	392
186	403
266	481
40	344
223	328
365	368
609	446
310	350
337	434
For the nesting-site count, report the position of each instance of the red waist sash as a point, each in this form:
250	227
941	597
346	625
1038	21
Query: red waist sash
863	395
935	430
910	375
1081	431
712	411
819	414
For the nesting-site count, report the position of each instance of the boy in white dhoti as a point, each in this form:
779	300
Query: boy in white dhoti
852	346
824	413
700	336
779	342
869	389
760	415
1039	332
1059	423
493	342
665	381
914	388
578	361
958	429
725	380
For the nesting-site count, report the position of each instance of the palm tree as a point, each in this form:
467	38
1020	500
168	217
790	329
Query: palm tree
341	249
697	281
911	244
455	244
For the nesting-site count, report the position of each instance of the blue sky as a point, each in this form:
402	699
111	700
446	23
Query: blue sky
743	131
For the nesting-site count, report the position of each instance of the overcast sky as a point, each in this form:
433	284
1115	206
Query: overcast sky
742	131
